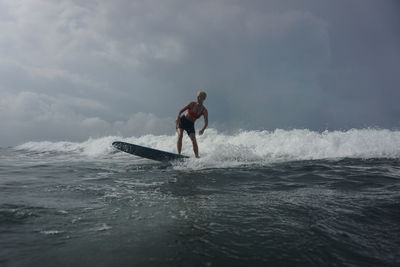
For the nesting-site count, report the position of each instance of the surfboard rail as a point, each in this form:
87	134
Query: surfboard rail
147	152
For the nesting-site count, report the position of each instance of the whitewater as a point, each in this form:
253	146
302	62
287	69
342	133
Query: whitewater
254	198
248	147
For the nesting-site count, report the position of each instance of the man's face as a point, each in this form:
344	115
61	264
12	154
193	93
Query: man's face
200	97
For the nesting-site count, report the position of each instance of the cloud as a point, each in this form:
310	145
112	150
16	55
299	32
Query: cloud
71	69
41	117
144	123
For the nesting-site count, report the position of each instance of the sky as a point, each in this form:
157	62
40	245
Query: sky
71	69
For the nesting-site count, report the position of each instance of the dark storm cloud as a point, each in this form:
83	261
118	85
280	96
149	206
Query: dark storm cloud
70	70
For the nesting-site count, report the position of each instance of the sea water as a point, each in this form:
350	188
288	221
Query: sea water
254	198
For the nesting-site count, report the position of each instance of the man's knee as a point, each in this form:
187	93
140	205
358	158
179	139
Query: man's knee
180	133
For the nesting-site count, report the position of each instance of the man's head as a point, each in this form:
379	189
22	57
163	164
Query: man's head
201	96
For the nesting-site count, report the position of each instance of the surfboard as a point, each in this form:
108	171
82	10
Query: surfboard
147	152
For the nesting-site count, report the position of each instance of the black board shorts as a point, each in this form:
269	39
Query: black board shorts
186	125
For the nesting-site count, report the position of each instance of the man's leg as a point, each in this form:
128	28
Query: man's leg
179	142
194	142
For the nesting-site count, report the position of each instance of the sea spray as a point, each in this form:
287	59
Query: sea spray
246	147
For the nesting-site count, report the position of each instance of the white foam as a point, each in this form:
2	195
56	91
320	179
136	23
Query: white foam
103	227
264	147
52	232
247	147
91	147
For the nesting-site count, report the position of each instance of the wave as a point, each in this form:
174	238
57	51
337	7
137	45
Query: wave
218	149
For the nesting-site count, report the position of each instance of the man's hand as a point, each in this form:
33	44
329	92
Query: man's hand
201	132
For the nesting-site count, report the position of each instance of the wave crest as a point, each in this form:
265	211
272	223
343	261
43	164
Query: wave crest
218	149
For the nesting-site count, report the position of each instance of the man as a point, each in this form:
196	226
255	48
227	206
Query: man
194	110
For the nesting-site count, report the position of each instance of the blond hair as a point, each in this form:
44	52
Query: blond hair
202	93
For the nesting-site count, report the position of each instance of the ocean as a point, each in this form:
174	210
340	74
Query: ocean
254	198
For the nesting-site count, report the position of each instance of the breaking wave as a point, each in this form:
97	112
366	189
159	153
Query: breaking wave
246	147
